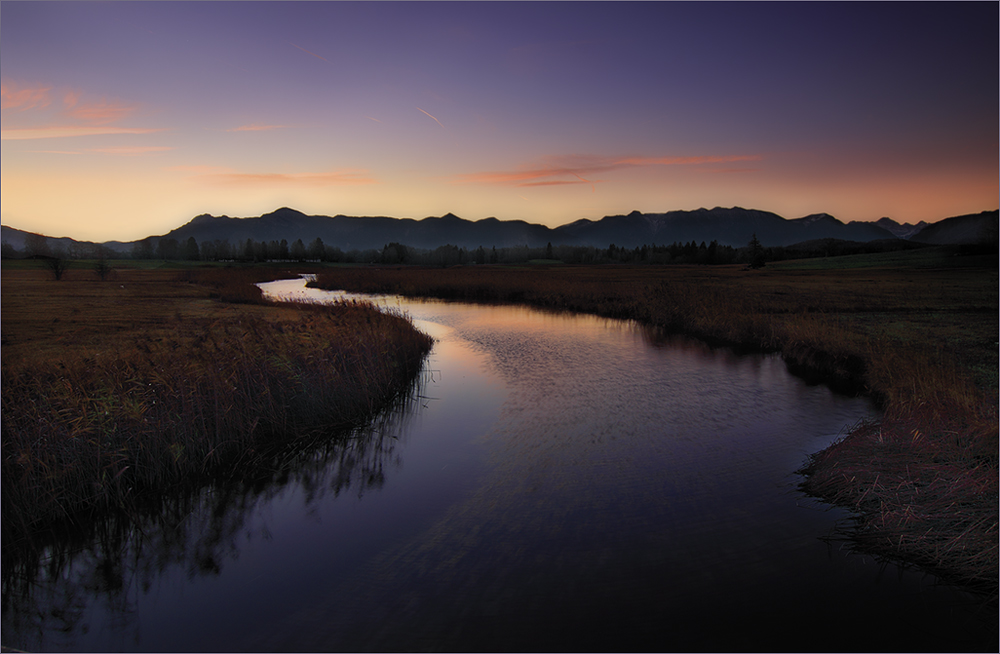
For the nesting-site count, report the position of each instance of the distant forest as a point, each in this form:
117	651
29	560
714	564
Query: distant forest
250	251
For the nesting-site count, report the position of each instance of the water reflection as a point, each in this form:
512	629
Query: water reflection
53	591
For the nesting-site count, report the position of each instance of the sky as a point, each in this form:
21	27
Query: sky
122	120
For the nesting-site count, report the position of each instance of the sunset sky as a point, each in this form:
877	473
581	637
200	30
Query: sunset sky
122	120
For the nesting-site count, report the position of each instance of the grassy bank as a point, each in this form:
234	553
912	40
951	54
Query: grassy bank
147	382
919	336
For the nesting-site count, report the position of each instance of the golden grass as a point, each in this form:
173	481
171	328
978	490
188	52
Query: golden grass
113	390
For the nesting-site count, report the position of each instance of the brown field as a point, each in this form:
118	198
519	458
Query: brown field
918	335
115	390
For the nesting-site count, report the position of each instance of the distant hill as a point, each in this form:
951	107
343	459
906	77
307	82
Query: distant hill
904	230
733	227
364	233
962	230
728	226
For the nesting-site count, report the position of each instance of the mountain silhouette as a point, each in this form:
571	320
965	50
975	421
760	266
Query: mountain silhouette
728	226
734	226
967	229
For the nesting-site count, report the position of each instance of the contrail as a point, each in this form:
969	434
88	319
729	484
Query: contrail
307	52
593	189
427	114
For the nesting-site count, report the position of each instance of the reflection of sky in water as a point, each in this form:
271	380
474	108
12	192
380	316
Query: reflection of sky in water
566	482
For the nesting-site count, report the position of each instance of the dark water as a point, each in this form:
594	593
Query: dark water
559	483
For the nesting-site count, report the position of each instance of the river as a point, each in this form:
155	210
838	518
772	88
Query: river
556	482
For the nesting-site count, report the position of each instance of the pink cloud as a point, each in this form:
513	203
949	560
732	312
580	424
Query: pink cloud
304	180
683	161
64	131
71	98
549	171
256	128
19	98
100	113
133	151
200	170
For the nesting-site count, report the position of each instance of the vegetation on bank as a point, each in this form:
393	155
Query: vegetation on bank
115	391
920	337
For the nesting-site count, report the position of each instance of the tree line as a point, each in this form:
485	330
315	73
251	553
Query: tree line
754	254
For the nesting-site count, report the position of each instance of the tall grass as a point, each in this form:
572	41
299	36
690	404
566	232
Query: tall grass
923	480
200	399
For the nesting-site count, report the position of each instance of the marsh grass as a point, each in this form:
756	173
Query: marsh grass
149	384
920	339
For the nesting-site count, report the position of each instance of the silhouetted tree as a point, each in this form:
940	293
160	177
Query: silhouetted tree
395	253
191	252
756	252
143	249
57	264
316	249
36	245
101	268
167	248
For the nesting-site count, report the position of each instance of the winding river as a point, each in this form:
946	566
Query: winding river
556	482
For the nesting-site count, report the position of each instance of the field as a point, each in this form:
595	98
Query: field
171	378
918	333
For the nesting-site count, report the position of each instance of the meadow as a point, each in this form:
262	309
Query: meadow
161	380
916	333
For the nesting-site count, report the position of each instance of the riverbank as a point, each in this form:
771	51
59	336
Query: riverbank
919	337
161	380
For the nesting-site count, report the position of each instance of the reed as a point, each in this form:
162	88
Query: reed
920	340
211	393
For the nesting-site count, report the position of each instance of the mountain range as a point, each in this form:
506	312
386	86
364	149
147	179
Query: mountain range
728	226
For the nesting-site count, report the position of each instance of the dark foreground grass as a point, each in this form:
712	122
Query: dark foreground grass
920	339
117	391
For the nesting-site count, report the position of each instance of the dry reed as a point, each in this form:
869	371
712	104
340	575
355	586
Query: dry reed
199	399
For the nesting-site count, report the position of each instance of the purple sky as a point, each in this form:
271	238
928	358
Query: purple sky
126	119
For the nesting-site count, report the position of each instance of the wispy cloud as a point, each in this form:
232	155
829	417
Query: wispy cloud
20	98
555	171
682	161
432	117
76	117
375	119
99	113
64	131
132	151
222	177
200	170
256	128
